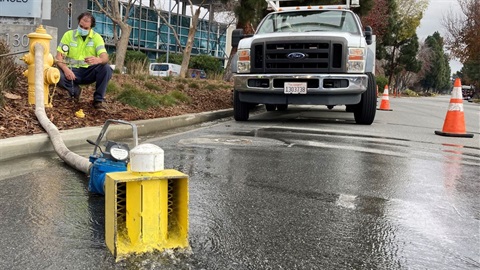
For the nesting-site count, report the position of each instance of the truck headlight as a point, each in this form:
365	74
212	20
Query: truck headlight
243	63
356	60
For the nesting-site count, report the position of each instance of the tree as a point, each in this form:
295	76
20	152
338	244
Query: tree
186	49
111	9
425	57
403	19
463	31
248	13
407	63
462	38
438	76
376	18
471	73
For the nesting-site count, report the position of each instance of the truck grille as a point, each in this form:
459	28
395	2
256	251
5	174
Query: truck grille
298	56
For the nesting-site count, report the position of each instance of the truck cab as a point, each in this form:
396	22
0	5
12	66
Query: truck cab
313	55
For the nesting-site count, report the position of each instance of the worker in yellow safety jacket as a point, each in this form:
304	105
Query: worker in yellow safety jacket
82	59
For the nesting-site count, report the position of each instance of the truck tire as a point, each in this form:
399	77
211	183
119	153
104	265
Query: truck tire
282	107
364	113
270	107
241	110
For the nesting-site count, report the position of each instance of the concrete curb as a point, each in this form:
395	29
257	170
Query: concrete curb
40	143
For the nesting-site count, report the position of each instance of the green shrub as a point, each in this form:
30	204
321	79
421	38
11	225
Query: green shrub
210	64
138	67
135	61
173	58
168	78
193	85
152	86
131	56
381	82
227	86
113	87
410	93
180	86
168	100
137	98
180	96
144	100
8	73
141	77
211	87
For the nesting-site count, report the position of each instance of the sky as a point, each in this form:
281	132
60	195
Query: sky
432	21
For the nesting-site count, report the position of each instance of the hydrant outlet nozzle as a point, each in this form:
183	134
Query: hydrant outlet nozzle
52	75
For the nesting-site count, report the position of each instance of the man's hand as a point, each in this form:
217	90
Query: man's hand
69	74
92	60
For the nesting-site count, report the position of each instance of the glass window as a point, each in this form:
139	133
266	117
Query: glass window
212	42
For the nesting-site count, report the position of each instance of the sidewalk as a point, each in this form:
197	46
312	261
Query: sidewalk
16	147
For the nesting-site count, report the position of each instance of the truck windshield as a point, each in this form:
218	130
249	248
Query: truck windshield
310	21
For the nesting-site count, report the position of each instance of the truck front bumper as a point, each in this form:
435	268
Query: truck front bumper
325	89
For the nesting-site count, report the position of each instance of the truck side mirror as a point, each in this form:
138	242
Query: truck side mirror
237	35
368	34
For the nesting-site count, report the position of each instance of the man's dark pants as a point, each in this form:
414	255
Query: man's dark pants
98	74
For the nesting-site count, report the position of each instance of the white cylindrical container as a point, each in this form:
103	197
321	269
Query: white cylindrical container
146	158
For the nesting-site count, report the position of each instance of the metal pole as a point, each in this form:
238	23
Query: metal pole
168	32
140	26
41	13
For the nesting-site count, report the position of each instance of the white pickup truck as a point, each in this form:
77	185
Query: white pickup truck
314	55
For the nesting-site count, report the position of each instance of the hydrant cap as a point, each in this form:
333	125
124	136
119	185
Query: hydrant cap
40	33
147	158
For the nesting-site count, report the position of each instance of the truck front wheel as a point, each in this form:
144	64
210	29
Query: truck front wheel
364	112
241	110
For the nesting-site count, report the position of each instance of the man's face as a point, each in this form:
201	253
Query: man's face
85	23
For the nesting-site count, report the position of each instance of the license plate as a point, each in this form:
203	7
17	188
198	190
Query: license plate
295	88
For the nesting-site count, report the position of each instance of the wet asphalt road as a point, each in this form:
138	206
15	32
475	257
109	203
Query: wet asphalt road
307	189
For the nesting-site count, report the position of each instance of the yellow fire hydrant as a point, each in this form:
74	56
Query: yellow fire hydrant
51	74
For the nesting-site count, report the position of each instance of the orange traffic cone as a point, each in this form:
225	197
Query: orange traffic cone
454	125
385	105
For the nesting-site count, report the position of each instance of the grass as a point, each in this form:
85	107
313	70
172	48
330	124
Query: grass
138	68
180	96
144	100
180	86
211	87
168	78
113	87
141	90
141	77
182	80
8	73
152	86
138	98
194	85
168	100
